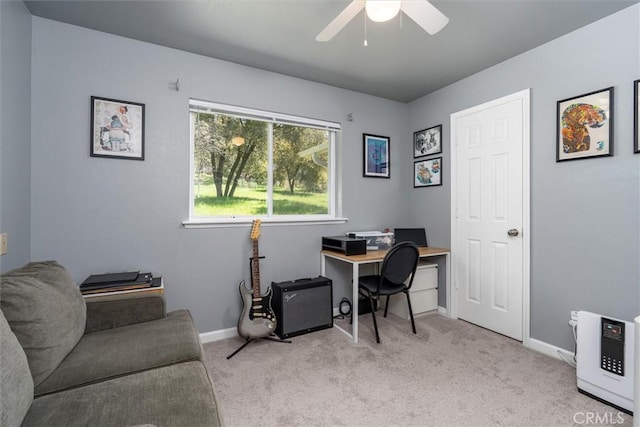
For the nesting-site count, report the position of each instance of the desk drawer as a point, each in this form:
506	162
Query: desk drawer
426	277
421	302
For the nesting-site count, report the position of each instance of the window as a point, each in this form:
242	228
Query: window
247	163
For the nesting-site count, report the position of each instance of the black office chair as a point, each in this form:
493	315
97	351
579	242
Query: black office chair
399	264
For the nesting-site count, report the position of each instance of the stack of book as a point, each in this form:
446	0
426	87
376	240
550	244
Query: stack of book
111	282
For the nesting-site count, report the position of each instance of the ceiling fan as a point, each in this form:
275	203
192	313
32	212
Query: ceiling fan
421	11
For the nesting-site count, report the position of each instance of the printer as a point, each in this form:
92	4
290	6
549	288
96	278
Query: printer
345	245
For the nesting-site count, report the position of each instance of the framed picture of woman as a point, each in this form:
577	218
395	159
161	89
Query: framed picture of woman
117	129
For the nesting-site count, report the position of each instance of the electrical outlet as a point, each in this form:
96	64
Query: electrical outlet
3	244
574	318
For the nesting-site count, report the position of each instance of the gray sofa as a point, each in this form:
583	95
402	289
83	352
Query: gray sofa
118	361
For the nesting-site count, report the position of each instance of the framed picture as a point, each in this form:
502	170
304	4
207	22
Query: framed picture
636	116
117	129
427	173
376	156
585	126
427	142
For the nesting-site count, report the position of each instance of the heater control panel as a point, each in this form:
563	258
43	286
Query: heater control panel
612	346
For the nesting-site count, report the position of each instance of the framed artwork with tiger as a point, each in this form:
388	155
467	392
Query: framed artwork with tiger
585	126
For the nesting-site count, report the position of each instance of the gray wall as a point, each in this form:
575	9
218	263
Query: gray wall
97	214
15	132
585	227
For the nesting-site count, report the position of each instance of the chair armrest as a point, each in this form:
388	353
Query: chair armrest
121	310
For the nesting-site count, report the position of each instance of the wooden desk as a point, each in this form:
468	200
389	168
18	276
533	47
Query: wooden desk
372	257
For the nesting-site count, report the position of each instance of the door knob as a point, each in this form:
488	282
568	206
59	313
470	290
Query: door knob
513	232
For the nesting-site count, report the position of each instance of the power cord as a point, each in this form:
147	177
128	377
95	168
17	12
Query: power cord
575	341
574	362
344	308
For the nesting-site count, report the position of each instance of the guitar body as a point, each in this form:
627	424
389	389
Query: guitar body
257	319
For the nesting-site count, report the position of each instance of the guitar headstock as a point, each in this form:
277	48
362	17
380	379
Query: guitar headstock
255	229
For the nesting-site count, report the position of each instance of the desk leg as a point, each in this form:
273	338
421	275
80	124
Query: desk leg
323	271
354	304
449	293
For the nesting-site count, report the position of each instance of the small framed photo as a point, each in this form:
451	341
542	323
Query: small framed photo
117	129
427	173
427	142
585	126
636	116
376	156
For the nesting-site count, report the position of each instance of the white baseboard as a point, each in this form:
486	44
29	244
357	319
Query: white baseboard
441	310
222	334
550	350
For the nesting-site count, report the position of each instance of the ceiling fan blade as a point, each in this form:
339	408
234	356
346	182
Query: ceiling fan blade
341	20
425	14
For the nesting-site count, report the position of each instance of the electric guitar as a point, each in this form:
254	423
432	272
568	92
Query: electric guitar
257	319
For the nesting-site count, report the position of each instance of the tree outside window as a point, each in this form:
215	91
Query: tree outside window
248	167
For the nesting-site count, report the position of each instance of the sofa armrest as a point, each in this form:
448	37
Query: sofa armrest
122	310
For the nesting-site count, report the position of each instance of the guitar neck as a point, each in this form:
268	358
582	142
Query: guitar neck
255	270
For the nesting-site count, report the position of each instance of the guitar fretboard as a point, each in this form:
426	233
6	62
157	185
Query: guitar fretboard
255	270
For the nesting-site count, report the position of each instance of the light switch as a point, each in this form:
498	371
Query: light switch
3	244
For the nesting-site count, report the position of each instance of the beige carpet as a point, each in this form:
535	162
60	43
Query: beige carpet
451	374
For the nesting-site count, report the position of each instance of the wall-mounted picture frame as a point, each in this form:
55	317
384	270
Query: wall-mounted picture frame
636	116
427	142
585	126
377	156
117	129
427	173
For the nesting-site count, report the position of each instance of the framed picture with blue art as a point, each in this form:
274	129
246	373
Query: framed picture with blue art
427	173
585	126
376	156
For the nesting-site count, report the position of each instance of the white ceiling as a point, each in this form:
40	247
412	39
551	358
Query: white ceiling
401	62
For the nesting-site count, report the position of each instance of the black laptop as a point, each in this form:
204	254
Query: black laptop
415	235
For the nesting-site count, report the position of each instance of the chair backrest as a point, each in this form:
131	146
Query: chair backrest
400	263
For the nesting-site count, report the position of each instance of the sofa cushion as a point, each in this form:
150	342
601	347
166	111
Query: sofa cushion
114	311
120	351
46	311
176	395
16	384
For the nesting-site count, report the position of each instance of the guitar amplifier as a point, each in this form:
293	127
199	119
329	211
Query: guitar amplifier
302	306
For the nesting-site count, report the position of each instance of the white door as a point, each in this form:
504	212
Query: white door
489	185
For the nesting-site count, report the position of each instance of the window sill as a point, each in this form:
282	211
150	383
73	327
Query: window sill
242	222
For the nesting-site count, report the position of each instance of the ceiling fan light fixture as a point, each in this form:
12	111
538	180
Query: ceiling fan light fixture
422	12
382	10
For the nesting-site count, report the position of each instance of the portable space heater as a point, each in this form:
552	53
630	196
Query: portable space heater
605	362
